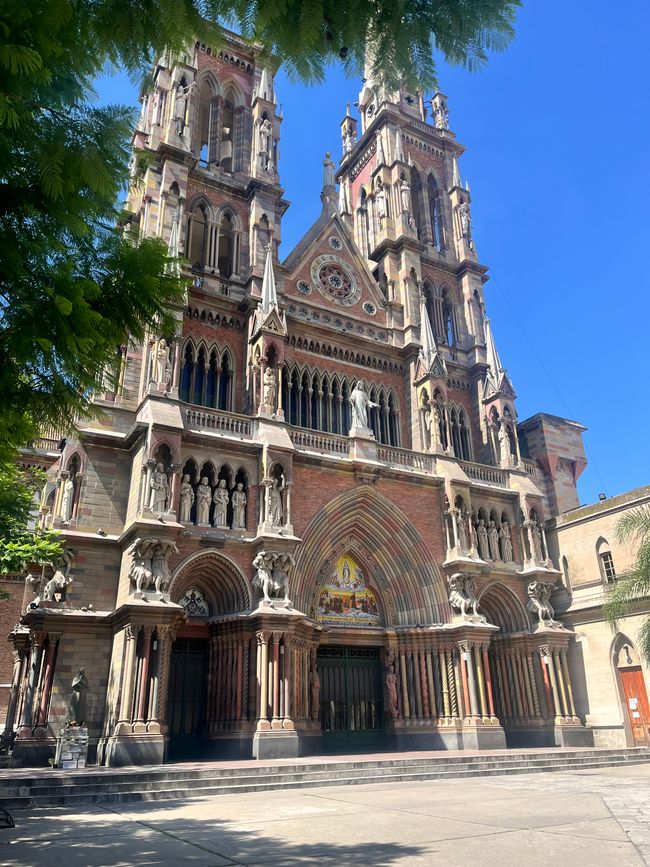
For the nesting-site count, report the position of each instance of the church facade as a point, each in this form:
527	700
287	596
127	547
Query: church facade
309	518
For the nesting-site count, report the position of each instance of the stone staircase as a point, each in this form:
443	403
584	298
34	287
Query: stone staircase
39	788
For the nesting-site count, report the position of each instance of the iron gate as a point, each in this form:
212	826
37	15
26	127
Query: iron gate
351	708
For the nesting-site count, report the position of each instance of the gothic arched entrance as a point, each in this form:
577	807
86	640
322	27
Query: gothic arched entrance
633	692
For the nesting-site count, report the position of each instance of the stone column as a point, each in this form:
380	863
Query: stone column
404	684
488	682
48	676
28	698
287	722
533	684
431	683
548	662
12	705
276	722
567	683
445	684
143	690
263	681
478	667
560	681
128	680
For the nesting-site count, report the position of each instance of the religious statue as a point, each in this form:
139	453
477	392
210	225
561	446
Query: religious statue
391	689
238	500
203	500
67	500
156	106
483	544
462	593
535	537
162	365
405	197
264	136
140	573
360	404
160	565
275	501
425	409
329	168
187	500
270	389
380	201
506	542
493	540
55	590
539	602
78	699
472	532
465	221
504	442
440	113
271	577
220	500
159	485
180	107
314	688
461	523
349	138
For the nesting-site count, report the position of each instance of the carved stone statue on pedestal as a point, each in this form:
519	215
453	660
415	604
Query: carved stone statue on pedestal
462	594
203	500
140	573
180	107
270	389
391	689
271	577
238	500
67	500
506	542
493	540
187	500
55	590
161	363
78	699
160	565
220	500
405	197
159	489
264	137
360	403
380	201
274	495
314	689
539	602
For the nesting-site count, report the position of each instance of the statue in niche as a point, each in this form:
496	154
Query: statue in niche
264	136
329	168
536	540
440	114
427	422
380	201
462	594
349	139
271	577
156	106
270	388
140	573
160	564
314	688
506	542
472	532
405	197
275	501
221	500
465	218
504	442
203	500
539	602
78	699
239	500
360	403
483	544
461	524
391	689
55	590
187	500
67	500
180	107
493	540
162	366
159	485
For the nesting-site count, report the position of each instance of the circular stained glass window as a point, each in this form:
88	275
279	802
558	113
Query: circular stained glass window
334	279
303	287
335	243
370	308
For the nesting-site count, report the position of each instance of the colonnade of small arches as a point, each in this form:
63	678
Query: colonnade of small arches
321	401
213	238
487	530
341	354
446	423
197	470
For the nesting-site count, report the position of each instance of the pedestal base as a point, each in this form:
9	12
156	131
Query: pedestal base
145	749
275	745
573	736
484	738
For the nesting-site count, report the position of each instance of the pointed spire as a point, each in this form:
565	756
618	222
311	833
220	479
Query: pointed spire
493	360
429	349
269	294
266	88
399	150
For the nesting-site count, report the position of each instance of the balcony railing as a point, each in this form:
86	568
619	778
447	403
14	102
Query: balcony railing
405	459
530	467
218	421
486	475
316	441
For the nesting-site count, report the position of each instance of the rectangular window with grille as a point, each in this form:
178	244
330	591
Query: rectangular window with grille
609	572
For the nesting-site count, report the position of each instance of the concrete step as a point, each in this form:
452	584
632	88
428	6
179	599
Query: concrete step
113	788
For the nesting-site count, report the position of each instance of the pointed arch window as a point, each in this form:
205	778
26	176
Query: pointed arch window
226	245
197	237
206	377
448	335
605	561
416	201
204	127
435	214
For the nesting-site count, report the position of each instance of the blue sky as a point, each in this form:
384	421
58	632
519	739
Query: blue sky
556	130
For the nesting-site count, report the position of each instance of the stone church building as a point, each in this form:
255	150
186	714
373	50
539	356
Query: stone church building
309	518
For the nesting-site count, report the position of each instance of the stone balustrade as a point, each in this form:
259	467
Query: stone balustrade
315	441
405	459
218	421
485	474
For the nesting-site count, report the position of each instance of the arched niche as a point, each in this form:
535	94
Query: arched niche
501	607
346	597
223	586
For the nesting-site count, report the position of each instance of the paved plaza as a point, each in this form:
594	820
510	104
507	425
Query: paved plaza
595	817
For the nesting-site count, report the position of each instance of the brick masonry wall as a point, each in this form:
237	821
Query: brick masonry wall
10	611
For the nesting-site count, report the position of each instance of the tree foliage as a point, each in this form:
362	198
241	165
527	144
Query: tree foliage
633	585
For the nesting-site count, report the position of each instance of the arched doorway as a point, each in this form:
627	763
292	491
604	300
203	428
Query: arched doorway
632	690
208	586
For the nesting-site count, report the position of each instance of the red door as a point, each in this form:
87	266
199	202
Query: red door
636	701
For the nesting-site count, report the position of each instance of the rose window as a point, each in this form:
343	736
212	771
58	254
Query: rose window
334	279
